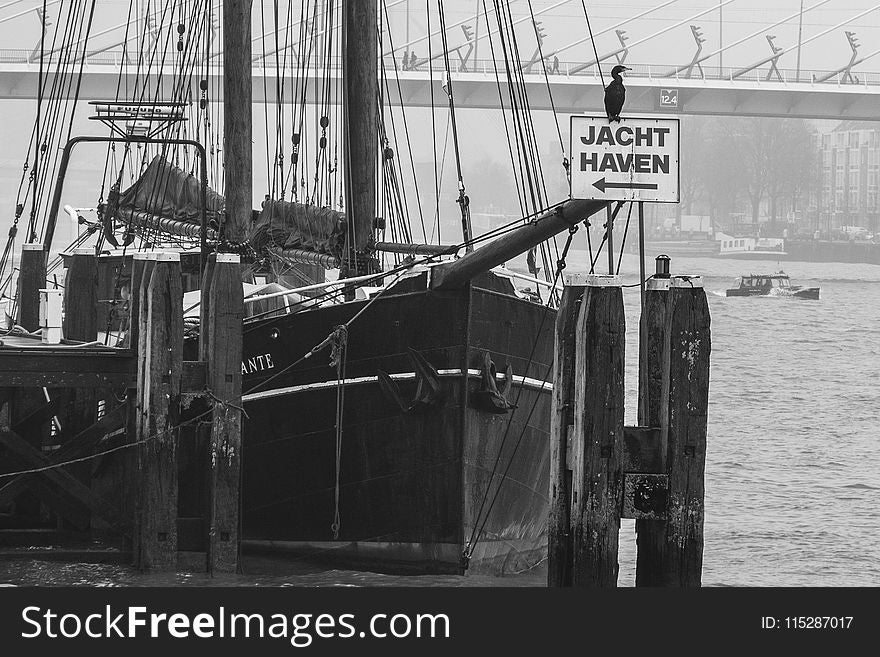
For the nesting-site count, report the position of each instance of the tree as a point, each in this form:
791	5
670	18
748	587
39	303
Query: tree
777	157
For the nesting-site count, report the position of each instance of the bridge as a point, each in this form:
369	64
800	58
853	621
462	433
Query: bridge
650	89
755	88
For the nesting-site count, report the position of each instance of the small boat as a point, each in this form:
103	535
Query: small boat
771	285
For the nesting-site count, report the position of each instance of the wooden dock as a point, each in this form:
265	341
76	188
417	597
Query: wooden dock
93	437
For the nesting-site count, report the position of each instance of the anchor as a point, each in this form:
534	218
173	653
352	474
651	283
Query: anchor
489	397
428	392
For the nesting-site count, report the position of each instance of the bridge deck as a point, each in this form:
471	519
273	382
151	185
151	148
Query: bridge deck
717	92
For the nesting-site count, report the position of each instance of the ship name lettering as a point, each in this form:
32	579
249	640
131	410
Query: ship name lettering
257	364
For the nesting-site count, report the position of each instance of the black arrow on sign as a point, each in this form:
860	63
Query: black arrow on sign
601	185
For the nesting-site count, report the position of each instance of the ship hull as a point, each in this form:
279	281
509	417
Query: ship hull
407	483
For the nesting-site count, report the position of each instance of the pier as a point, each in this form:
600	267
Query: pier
130	443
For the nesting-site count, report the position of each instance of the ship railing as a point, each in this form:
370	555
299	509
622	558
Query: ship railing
531	279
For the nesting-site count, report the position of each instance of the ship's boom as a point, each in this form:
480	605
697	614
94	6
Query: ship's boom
455	274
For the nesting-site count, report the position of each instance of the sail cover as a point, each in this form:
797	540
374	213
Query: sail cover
168	192
299	226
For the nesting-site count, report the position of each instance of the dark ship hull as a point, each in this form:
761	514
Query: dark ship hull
414	483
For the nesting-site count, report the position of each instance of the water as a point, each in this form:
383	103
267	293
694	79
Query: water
793	458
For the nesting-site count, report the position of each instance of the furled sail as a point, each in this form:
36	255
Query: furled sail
168	199
168	192
297	226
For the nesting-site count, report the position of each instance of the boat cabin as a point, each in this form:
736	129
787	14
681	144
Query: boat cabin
765	282
761	285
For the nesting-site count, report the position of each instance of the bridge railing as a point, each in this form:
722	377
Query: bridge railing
554	69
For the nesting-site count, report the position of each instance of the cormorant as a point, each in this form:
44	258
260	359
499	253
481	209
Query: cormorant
615	94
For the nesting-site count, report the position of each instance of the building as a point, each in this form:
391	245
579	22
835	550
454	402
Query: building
849	174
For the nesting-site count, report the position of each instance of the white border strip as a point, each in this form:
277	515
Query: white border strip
526	381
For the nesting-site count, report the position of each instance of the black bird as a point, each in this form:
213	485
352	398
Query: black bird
615	94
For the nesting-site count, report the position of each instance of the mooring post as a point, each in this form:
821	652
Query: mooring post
225	314
81	296
159	377
80	322
597	446
138	267
24	401
141	269
650	534
674	396
31	277
562	430
683	420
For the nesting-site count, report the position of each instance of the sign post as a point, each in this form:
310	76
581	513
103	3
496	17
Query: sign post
635	159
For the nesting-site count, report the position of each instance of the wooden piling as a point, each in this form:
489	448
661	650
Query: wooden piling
676	397
683	420
31	277
224	335
80	323
597	448
141	269
138	267
159	373
650	534
561	431
81	296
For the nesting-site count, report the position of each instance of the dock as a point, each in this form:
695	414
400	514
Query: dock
128	443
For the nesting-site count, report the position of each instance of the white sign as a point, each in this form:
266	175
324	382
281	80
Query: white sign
634	159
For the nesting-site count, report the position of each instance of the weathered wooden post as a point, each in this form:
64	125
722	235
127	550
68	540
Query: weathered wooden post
224	317
561	432
80	323
141	269
683	420
31	277
81	296
597	447
675	396
159	370
650	534
138	268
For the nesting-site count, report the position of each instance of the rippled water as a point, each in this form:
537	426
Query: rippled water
793	455
793	458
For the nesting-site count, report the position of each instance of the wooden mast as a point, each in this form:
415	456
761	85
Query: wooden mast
237	102
360	57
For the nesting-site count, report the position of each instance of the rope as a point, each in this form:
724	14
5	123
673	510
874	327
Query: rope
463	200
593	41
339	355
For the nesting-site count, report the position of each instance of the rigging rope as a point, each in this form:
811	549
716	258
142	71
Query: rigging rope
463	200
593	41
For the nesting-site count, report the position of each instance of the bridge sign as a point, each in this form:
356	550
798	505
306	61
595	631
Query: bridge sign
635	159
668	98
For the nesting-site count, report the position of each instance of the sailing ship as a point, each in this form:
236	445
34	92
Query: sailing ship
397	417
